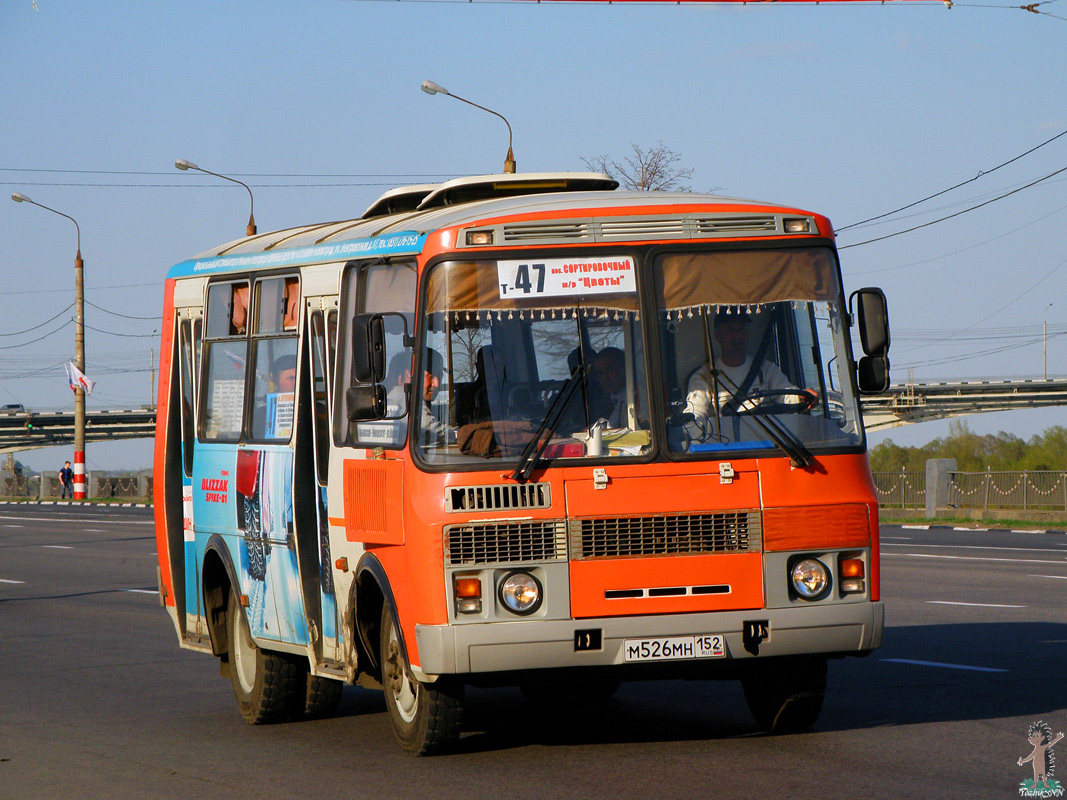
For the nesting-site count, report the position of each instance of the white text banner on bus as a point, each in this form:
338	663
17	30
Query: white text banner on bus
563	277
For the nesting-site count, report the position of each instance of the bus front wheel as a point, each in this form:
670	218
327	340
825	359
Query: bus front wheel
785	694
263	682
426	717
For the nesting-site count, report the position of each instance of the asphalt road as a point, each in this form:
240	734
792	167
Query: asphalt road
97	700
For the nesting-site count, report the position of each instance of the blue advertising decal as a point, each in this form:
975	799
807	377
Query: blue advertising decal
394	244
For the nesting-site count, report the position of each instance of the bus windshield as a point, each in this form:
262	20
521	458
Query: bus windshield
752	350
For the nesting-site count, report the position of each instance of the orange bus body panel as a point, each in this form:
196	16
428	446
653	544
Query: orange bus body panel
590	580
166	354
828	526
374	501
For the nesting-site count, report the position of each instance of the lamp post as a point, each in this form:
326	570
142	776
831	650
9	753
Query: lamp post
79	351
432	88
1044	342
183	165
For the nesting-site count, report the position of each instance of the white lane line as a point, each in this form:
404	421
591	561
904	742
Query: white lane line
942	665
82	519
972	605
56	547
8	580
971	529
93	530
1057	577
1060	563
973	547
14	526
141	591
895	538
915	527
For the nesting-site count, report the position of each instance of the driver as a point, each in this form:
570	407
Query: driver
731	331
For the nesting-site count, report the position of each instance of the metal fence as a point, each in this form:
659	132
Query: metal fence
900	489
99	485
1028	491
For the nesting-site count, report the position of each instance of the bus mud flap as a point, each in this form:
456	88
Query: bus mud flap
754	632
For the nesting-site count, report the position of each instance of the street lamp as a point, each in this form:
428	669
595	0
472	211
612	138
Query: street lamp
1044	342
432	88
183	165
79	351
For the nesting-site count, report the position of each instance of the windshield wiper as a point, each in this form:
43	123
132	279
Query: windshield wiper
531	454
799	455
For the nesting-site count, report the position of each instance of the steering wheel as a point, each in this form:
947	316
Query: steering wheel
752	405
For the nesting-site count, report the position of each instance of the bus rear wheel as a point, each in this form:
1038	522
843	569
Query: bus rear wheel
313	697
785	694
426	717
263	682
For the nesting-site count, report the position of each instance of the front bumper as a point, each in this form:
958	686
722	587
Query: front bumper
846	628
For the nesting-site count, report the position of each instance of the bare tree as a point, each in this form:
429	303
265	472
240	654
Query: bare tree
646	169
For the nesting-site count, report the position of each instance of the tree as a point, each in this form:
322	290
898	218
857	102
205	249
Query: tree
646	169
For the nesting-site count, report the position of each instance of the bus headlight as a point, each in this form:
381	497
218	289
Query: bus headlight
520	592
810	578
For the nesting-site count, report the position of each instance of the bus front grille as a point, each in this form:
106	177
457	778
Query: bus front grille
505	542
497	497
683	534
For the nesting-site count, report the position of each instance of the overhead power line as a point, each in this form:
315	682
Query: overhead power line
957	214
981	173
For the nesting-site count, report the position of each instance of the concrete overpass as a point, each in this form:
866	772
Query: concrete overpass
901	405
920	402
33	429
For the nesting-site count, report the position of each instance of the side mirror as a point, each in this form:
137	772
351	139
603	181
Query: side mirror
873	317
365	402
368	349
873	374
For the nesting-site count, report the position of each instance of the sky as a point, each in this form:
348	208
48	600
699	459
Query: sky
850	110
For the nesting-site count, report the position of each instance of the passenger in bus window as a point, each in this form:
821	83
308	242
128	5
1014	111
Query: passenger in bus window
284	370
742	380
397	377
239	315
434	429
609	374
292	304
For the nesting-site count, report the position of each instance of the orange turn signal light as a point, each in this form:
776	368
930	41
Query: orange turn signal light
851	567
468	587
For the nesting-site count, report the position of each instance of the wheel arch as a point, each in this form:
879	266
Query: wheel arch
219	579
370	593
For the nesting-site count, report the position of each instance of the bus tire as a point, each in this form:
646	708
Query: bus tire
785	694
315	697
426	717
263	681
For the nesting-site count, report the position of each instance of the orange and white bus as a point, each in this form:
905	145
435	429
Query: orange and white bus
520	430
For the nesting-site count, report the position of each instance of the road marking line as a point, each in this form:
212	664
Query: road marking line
79	519
8	580
141	591
1057	577
57	547
1060	563
973	605
973	547
915	527
14	526
942	665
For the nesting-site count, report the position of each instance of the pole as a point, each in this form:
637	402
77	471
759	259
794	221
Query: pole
79	392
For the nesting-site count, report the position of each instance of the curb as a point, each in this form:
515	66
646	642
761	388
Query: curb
82	503
976	530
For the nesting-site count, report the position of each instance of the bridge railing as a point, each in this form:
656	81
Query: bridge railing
132	486
1044	490
900	489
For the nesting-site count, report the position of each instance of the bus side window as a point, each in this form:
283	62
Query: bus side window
225	354
188	381
274	356
320	395
376	288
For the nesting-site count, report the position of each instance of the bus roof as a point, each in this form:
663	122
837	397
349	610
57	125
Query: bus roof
405	232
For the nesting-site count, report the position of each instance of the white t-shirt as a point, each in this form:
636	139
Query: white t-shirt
769	378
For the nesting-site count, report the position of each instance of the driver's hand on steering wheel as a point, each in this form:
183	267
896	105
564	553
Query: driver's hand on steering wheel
809	397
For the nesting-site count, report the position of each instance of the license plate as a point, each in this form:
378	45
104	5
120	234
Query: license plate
676	648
